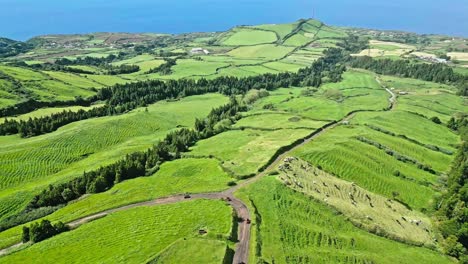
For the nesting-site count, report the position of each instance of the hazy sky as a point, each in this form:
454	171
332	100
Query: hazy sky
22	19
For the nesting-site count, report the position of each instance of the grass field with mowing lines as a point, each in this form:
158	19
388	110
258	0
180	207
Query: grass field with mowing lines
88	144
245	37
175	177
49	111
193	250
412	126
294	229
340	153
133	236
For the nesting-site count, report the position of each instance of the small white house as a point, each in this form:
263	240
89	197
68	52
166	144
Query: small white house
199	51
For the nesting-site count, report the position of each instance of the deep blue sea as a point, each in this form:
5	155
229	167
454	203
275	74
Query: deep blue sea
22	19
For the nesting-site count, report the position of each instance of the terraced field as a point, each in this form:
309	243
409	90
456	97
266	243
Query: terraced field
291	227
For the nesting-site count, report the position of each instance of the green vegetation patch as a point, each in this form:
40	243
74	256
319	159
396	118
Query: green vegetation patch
245	36
131	236
290	228
245	151
267	51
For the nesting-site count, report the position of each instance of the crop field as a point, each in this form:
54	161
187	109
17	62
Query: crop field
351	171
356	91
175	177
246	37
427	98
341	153
274	120
48	111
88	144
412	126
133	236
192	68
44	86
266	51
281	29
460	56
374	213
282	66
290	228
108	80
243	152
297	40
195	250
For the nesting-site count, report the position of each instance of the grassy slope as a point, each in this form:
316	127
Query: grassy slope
132	236
246	37
175	177
194	250
296	229
74	148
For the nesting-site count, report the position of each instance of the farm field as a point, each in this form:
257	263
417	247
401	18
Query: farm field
63	155
331	163
248	37
133	236
175	177
243	152
291	227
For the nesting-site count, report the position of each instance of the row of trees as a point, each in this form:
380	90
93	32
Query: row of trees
439	73
91	61
452	212
125	97
43	230
139	163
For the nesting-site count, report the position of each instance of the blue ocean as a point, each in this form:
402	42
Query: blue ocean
23	19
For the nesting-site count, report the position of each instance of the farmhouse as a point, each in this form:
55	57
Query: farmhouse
199	51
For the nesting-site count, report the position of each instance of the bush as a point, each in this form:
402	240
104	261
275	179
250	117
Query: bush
43	230
436	120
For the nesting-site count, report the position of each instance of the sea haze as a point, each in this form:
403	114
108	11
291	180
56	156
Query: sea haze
22	19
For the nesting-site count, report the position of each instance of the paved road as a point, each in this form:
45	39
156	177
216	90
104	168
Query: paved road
241	254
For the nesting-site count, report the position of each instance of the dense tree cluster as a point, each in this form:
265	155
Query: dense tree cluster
91	61
354	44
121	98
9	47
452	211
31	105
139	163
43	230
165	68
439	73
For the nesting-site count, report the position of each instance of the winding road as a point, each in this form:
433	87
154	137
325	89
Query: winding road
241	254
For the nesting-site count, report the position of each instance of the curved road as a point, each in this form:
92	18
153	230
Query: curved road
241	254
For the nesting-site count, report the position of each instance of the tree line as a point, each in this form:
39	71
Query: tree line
451	208
121	98
438	73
